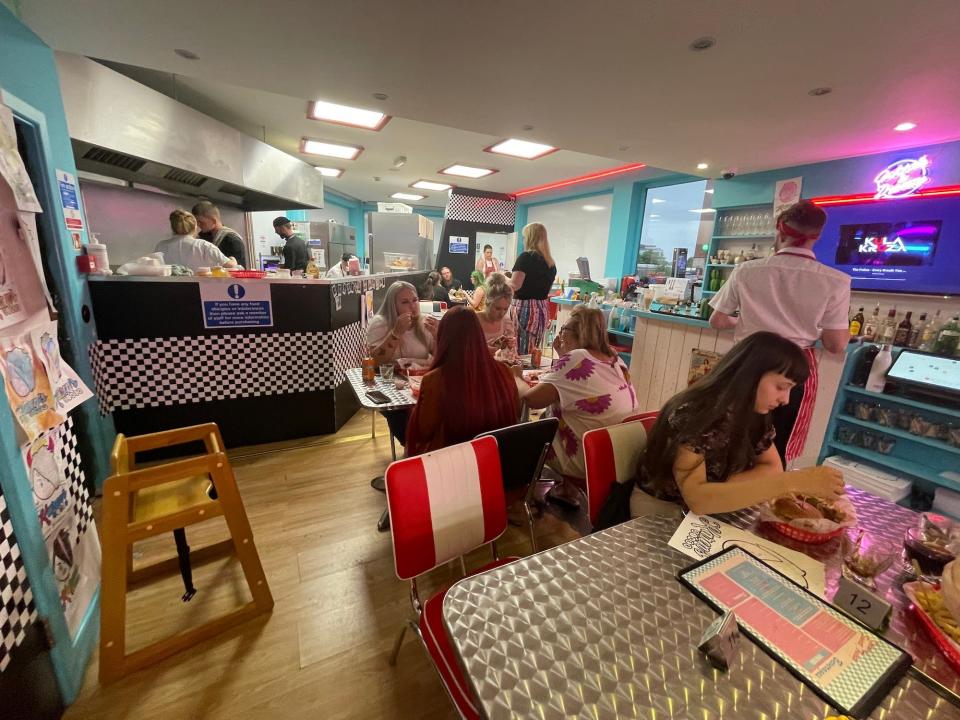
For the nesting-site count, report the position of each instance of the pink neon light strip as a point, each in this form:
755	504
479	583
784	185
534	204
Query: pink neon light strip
943	191
580	179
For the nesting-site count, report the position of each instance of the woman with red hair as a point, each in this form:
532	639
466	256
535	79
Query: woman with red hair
466	392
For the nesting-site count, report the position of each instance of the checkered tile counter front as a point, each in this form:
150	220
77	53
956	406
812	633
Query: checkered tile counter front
17	609
70	458
152	372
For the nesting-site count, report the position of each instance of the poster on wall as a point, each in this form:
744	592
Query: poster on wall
66	519
236	304
28	387
68	389
459	245
12	309
785	194
70	200
12	168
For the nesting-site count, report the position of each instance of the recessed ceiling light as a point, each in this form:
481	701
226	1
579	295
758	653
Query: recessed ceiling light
818	91
186	54
703	43
528	128
380	96
702	166
654	216
703	210
430	185
657	200
521	149
346	115
330	172
329	149
467	171
407	196
594	208
905	126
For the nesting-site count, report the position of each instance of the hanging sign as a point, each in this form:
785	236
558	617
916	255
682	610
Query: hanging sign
70	200
902	178
236	304
12	168
785	194
11	307
459	245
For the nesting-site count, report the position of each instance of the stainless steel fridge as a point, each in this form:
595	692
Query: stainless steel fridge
331	237
399	241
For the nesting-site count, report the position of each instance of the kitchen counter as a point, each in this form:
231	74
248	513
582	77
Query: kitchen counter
172	352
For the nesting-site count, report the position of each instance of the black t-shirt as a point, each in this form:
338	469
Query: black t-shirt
295	255
231	244
538	278
453	285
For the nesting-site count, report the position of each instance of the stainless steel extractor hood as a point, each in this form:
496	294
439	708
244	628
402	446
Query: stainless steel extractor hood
122	129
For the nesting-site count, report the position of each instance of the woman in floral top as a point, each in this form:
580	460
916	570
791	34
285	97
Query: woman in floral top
712	446
587	387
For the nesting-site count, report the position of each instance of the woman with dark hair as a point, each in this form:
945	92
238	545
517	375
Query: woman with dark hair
712	446
484	390
433	289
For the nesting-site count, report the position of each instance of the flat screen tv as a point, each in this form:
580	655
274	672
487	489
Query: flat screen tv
907	246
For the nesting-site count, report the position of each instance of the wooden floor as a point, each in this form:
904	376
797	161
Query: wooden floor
323	651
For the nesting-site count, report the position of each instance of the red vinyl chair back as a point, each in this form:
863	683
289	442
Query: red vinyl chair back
611	455
649	419
444	504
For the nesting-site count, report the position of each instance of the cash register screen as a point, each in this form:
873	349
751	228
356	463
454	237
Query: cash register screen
928	370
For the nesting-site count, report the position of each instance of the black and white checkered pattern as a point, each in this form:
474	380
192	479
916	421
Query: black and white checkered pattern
493	210
152	372
17	609
77	487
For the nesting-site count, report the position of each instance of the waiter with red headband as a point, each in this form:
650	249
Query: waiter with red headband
792	294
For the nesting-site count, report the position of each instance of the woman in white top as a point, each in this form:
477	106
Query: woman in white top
587	387
487	263
498	319
184	248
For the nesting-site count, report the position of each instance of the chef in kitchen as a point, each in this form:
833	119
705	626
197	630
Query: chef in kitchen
213	230
342	268
295	255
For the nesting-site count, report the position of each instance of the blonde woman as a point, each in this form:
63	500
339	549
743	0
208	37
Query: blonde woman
533	275
184	248
498	319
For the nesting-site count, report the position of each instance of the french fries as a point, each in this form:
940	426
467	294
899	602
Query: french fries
932	603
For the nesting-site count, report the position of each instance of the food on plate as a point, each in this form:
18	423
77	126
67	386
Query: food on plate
950	588
795	507
458	294
931	600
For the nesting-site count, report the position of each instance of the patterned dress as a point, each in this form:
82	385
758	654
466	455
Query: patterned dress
593	394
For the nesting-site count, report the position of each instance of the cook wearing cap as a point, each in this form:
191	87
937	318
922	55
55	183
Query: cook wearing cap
295	255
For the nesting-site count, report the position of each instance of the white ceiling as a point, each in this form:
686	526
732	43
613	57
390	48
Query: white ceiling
282	121
591	77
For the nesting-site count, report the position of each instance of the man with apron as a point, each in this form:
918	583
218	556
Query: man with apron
211	229
792	294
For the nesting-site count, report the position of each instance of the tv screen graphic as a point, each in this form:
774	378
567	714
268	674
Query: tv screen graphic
909	245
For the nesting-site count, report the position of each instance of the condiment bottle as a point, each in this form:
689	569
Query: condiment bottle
878	373
369	371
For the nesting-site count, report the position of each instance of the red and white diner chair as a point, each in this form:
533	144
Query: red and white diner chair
611	455
435	306
648	418
444	504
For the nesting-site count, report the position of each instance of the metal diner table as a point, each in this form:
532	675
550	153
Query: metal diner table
599	627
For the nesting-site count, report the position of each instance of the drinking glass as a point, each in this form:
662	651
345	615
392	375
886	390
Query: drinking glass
386	372
866	556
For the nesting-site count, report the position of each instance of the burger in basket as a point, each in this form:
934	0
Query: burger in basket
809	519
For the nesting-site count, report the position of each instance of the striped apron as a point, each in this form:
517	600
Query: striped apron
801	428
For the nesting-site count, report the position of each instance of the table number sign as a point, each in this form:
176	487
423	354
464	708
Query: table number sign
845	663
862	604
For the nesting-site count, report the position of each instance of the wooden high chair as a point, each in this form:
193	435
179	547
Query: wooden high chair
141	503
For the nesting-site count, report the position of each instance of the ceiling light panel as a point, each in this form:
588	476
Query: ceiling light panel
407	196
329	149
521	149
467	171
330	172
905	127
430	185
346	115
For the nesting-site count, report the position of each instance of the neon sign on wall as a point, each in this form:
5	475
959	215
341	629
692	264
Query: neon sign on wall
902	178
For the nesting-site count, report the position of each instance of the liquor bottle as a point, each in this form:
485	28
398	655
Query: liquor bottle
888	330
871	325
949	338
929	338
878	372
856	324
916	334
903	330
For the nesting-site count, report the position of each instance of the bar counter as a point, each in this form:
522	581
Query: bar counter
157	366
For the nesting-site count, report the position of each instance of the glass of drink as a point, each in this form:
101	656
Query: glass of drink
866	556
386	372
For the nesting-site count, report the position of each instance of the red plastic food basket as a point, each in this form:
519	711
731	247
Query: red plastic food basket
939	638
250	274
805	536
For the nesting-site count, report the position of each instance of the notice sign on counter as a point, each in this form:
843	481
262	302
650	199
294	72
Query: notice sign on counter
236	304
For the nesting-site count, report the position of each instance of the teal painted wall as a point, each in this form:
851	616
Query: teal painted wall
29	79
837	177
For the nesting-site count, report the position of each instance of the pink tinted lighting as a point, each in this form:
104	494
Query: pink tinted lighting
580	179
902	178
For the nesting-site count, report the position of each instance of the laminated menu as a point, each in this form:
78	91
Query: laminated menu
844	662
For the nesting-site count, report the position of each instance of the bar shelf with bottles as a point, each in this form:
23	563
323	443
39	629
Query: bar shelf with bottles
883	424
752	227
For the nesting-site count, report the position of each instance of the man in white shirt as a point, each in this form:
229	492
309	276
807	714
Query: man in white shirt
342	268
793	295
